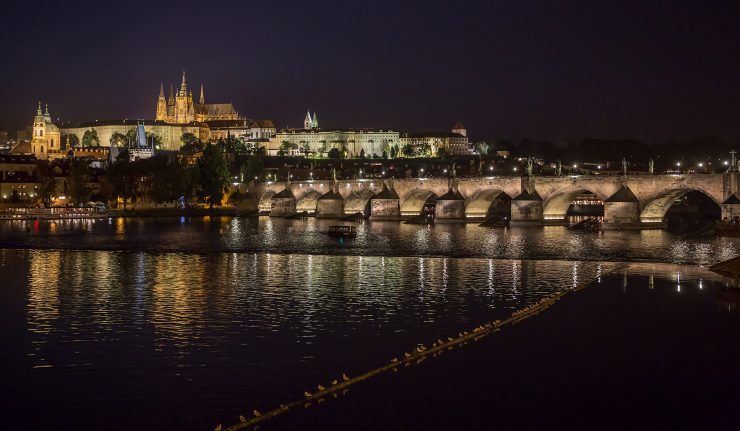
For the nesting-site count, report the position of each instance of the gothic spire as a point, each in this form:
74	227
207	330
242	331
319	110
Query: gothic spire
307	121
47	110
172	94
184	85
38	111
202	97
315	121
161	91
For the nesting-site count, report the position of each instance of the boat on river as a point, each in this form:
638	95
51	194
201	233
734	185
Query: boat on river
55	213
342	231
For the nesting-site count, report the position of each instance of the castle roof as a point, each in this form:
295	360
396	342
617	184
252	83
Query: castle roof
215	108
458	125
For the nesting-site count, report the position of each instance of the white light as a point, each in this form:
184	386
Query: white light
382	173
445	171
490	168
514	169
598	167
726	163
575	166
678	163
701	164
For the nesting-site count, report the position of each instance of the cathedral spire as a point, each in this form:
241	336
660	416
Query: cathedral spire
171	99
161	90
184	85
307	123
38	111
46	114
315	121
202	97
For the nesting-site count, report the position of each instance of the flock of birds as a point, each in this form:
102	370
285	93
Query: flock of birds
419	353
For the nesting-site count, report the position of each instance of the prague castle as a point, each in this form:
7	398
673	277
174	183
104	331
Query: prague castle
179	108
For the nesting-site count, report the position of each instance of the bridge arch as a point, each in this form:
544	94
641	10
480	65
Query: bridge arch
556	205
480	204
265	204
654	211
308	201
414	201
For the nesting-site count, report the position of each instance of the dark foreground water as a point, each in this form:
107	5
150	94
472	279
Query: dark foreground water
143	340
204	234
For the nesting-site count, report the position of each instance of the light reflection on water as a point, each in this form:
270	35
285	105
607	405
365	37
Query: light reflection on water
374	238
218	330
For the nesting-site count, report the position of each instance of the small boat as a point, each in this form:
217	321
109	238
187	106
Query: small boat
342	231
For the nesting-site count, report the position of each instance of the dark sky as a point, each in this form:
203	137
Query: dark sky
508	69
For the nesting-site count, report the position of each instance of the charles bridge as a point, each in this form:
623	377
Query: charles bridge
635	201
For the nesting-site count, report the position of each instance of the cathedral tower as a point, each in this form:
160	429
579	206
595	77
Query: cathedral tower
307	122
161	105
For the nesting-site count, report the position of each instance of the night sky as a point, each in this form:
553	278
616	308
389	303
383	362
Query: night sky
508	69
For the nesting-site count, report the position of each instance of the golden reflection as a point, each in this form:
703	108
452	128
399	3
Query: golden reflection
43	290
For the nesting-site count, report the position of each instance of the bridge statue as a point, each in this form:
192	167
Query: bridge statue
334	174
559	168
651	166
454	170
624	166
480	167
530	166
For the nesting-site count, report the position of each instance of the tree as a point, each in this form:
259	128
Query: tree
305	149
90	138
253	168
362	153
47	183
71	140
334	153
213	179
155	140
159	184
79	176
190	143
286	147
424	150
323	149
482	148
394	151
441	153
122	176
408	150
118	140
385	154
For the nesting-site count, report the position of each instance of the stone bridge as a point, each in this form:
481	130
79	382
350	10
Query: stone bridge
634	201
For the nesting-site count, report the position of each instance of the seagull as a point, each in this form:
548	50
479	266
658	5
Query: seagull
307	394
408	355
321	388
256	413
344	376
242	418
394	360
450	339
334	382
218	428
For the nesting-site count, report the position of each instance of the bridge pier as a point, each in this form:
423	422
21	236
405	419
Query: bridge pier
386	205
283	204
622	210
330	205
526	209
450	207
